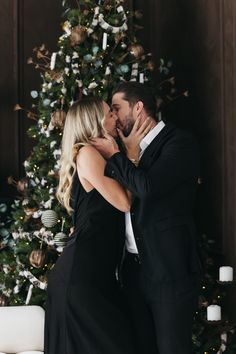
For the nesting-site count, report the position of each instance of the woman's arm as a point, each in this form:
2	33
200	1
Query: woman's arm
90	166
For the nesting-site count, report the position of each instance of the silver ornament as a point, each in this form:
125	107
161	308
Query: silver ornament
49	218
60	239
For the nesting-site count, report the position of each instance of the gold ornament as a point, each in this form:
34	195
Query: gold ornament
86	12
37	258
78	35
136	50
22	184
58	118
3	300
150	65
55	75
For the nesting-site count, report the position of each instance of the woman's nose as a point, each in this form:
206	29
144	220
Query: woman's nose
114	116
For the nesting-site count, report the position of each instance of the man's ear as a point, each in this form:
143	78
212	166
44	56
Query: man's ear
139	107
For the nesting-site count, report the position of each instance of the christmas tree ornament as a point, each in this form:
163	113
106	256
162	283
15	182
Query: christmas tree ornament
150	65
4	300
78	35
95	50
136	50
37	258
88	58
29	211
3	208
60	239
34	94
46	102
124	68
22	184
49	218
58	118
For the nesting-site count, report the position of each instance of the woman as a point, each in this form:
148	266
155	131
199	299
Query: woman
84	311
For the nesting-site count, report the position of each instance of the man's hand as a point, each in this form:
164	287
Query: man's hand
107	146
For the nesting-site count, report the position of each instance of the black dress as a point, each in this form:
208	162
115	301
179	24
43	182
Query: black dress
84	313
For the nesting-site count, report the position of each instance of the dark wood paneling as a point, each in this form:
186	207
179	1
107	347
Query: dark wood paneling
9	124
228	10
24	24
189	33
199	36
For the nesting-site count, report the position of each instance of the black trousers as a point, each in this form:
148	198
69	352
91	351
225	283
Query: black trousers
162	324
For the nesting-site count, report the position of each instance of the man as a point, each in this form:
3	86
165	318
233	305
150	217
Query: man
161	268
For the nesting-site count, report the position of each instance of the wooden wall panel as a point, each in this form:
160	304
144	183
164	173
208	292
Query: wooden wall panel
9	124
24	24
199	36
228	9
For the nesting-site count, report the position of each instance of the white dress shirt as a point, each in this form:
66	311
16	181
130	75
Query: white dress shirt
130	240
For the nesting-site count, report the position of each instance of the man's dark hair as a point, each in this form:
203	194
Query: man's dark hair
134	92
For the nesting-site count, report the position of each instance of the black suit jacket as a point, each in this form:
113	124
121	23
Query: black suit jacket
163	188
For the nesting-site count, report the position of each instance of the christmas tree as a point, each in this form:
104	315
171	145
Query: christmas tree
95	52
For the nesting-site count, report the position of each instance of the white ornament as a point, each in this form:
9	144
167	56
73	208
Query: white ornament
63	90
49	218
60	239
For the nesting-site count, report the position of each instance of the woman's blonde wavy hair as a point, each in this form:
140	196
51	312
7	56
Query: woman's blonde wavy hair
83	122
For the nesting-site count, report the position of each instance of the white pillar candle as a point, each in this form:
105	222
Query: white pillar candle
104	41
29	294
141	78
226	274
213	313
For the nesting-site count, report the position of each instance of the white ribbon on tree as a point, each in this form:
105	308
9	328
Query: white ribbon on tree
134	72
98	19
36	282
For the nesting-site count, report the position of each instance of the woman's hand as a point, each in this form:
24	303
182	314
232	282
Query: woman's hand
107	146
138	132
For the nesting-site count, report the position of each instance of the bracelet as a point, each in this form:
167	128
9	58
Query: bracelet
135	162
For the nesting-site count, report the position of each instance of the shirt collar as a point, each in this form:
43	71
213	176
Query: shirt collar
151	136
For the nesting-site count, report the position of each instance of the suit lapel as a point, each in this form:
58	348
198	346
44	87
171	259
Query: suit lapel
155	147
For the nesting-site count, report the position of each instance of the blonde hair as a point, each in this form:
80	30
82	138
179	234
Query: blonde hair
83	122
